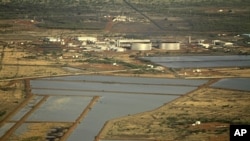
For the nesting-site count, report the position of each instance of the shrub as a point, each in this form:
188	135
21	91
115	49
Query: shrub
2	113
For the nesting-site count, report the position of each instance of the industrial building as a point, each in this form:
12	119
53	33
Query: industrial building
84	39
52	39
128	42
222	43
169	45
120	18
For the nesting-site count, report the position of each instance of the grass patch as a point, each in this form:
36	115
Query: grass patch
33	138
5	25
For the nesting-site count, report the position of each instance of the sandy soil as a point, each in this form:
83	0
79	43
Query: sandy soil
214	108
14	64
38	131
11	93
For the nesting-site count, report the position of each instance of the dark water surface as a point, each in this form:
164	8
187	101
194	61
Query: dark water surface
201	61
120	96
234	83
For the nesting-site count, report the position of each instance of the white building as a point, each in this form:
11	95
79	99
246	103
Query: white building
128	42
204	45
228	44
52	39
120	18
91	39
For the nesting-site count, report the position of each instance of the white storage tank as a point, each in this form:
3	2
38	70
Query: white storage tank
91	39
141	46
170	45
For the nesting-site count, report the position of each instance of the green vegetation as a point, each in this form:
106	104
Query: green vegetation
30	57
196	15
101	61
2	113
5	25
62	14
129	65
111	61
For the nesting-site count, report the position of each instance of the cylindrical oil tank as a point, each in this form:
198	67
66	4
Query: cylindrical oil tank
170	45
141	46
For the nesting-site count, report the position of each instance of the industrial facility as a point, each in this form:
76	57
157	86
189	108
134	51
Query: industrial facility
91	43
128	42
91	39
119	44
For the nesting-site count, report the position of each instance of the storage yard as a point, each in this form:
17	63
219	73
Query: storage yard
123	70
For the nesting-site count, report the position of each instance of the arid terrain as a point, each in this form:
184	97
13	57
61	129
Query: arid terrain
214	108
203	114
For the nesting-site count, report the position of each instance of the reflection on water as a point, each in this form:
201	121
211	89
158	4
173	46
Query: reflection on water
60	109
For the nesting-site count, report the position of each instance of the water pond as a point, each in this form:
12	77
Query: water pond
201	61
5	128
234	83
120	96
60	109
27	108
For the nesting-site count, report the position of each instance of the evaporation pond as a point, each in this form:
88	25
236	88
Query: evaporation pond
201	61
61	108
5	128
113	106
27	108
234	83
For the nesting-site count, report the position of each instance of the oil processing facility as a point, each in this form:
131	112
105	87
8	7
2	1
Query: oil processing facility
146	44
92	43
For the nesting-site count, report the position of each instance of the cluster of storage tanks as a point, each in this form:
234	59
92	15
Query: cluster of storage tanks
121	44
147	45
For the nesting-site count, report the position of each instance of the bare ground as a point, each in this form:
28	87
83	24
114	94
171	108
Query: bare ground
12	94
38	131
